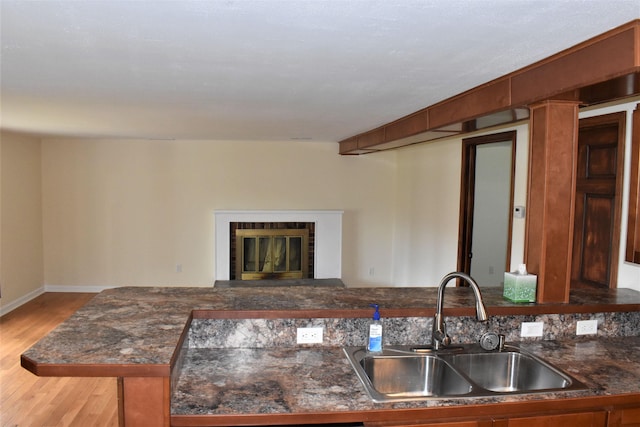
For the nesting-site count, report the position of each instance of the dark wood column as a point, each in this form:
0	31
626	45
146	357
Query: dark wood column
553	143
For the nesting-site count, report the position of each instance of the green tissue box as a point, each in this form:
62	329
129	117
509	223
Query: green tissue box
520	287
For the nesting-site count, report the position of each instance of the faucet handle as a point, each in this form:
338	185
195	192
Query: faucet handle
446	341
439	335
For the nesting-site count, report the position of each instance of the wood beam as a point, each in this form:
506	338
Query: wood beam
612	56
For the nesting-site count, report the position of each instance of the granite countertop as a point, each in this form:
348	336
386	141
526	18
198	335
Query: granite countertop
123	330
140	331
288	380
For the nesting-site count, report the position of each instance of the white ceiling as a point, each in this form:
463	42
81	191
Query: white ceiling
266	69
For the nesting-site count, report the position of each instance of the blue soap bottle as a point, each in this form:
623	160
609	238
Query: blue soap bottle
374	344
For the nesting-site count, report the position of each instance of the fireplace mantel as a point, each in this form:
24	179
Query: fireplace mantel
328	237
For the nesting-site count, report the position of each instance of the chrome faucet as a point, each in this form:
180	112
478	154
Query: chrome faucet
439	337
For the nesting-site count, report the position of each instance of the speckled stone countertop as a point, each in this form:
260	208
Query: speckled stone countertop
137	331
130	330
282	381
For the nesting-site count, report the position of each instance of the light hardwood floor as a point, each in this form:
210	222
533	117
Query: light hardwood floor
27	400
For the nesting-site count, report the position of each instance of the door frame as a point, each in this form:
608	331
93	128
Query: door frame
467	195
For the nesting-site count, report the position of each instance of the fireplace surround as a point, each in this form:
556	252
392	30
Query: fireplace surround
327	238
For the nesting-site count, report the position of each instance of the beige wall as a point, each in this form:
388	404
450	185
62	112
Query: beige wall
21	271
428	206
122	212
84	214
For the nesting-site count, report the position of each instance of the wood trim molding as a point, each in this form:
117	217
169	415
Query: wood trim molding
93	370
435	415
632	253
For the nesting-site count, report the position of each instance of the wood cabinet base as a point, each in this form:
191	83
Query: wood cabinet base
144	402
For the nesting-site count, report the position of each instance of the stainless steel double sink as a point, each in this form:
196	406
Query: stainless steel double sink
402	373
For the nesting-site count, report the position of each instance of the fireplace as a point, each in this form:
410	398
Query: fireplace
324	253
271	250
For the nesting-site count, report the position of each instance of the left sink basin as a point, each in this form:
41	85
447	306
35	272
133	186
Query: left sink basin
394	377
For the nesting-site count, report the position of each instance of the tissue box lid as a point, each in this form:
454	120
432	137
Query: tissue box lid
520	287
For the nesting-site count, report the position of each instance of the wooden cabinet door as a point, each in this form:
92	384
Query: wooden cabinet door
629	417
582	419
474	423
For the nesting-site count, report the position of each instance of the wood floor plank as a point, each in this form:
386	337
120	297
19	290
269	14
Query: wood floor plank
30	401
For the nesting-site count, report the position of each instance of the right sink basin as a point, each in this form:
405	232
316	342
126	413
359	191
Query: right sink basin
510	372
412	373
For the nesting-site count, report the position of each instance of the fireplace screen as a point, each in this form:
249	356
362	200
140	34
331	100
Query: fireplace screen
272	254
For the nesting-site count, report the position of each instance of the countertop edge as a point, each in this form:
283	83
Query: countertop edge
427	414
197	303
94	370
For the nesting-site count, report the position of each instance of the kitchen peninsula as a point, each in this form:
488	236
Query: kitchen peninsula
199	356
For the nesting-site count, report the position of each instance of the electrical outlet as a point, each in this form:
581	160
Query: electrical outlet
531	329
309	335
587	327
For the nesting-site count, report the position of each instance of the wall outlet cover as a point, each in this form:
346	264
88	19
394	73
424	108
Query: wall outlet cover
587	327
311	335
531	329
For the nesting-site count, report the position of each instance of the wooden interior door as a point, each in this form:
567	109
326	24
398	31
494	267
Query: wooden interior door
596	233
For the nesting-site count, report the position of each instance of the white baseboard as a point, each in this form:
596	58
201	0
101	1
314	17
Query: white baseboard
4	309
22	300
63	288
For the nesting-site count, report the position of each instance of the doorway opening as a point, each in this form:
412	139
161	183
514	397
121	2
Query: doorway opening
486	202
